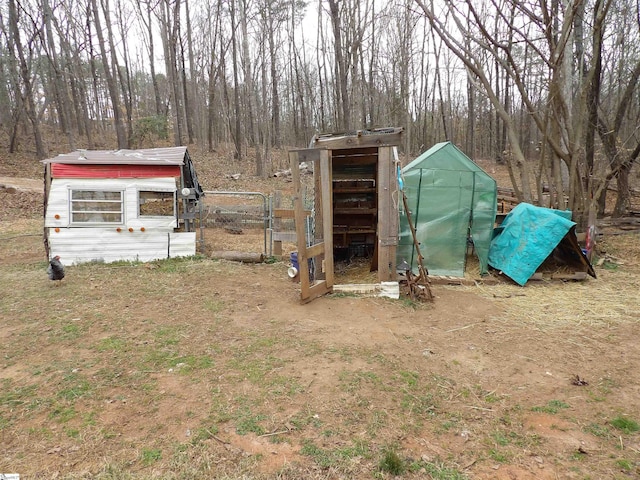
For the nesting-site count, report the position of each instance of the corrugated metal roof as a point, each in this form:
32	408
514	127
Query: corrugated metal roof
374	136
145	156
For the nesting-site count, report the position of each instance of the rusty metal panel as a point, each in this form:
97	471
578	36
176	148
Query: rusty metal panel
148	156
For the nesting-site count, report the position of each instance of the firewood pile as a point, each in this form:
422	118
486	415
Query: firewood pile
506	200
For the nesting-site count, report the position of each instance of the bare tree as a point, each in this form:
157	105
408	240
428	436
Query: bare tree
438	69
169	17
621	144
471	60
27	94
273	22
323	76
215	69
148	37
237	129
550	86
121	134
123	74
341	70
13	112
62	102
188	83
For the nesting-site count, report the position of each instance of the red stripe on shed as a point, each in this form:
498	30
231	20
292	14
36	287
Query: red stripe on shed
61	170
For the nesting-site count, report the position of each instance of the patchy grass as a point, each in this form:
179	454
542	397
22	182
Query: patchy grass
625	425
150	455
552	407
392	463
195	366
340	458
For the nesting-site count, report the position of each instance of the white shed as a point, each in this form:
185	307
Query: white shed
116	205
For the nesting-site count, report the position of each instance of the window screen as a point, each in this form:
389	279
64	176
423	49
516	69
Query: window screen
155	204
96	206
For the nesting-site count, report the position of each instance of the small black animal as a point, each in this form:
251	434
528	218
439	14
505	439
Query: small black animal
55	269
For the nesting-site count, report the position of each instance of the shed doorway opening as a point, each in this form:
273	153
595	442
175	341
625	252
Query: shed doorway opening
354	214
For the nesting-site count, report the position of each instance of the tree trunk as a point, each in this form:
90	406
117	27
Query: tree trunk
274	79
169	31
342	92
265	124
30	107
59	91
370	115
187	110
214	75
471	126
98	112
237	131
211	113
145	18
189	86
124	77
12	81
80	95
623	199
322	75
111	81
439	87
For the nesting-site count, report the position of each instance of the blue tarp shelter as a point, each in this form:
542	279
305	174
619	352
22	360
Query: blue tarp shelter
526	238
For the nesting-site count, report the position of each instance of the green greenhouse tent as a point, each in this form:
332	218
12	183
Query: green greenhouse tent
452	201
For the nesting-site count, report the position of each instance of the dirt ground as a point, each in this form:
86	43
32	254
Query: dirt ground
212	369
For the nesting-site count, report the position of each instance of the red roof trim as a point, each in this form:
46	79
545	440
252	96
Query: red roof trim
59	170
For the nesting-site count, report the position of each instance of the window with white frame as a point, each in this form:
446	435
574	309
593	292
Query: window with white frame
97	206
152	203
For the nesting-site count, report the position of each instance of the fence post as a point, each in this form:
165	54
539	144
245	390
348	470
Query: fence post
277	224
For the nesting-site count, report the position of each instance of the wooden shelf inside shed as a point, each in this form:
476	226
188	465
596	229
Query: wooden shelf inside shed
355	201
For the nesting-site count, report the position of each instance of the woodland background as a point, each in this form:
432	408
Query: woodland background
549	88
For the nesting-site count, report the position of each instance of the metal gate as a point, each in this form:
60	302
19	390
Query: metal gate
234	221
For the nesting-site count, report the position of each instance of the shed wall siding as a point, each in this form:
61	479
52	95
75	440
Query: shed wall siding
85	243
182	244
59	202
81	245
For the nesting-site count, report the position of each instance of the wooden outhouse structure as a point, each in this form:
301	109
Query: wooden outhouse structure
354	206
128	205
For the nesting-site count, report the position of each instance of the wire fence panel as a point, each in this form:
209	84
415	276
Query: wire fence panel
235	221
283	229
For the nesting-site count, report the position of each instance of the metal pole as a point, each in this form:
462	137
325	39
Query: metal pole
270	225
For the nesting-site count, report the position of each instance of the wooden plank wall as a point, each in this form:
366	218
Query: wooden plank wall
387	215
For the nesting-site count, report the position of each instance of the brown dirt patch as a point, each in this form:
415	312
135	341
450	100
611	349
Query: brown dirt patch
203	368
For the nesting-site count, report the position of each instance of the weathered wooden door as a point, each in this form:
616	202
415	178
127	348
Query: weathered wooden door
314	233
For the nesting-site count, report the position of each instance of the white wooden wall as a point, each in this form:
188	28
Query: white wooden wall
150	238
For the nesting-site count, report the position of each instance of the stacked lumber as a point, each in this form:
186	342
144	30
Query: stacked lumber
626	224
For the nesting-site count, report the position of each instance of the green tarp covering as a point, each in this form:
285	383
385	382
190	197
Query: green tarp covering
451	199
